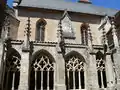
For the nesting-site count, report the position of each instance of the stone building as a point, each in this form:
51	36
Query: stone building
2	12
61	45
117	19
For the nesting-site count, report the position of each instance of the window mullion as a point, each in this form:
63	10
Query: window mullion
41	79
35	80
48	79
53	80
73	79
79	80
13	81
68	78
53	77
102	85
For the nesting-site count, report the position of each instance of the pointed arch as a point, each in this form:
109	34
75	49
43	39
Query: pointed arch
42	71
42	52
75	70
74	53
40	29
84	33
99	55
101	71
41	20
12	52
12	70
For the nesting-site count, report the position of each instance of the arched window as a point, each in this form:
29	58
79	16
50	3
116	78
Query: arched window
12	72
42	73
102	80
84	33
75	73
40	30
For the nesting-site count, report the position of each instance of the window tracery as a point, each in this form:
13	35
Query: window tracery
75	73
40	30
12	73
100	64
43	73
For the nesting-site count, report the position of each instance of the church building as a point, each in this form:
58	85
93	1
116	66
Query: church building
60	45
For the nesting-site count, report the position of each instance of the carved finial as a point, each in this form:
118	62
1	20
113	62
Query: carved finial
90	38
65	13
113	23
104	36
61	39
90	34
27	35
7	27
104	39
60	31
114	33
28	28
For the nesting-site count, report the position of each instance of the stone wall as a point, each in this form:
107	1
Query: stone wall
51	45
52	19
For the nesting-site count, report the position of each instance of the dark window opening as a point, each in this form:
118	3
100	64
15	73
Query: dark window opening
32	80
71	79
82	80
99	79
51	79
40	30
38	83
12	74
104	79
110	39
76	79
84	34
44	80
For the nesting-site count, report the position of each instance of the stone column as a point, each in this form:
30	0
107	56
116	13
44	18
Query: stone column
110	74
60	72
5	34
92	71
117	68
24	71
116	54
2	63
115	38
60	62
90	39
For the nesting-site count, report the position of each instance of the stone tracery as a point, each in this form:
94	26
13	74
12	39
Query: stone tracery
43	73
75	73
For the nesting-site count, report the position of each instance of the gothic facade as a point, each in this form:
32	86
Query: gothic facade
60	46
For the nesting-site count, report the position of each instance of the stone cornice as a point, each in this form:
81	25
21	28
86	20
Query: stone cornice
17	42
39	43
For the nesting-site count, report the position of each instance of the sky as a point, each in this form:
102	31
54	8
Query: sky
114	4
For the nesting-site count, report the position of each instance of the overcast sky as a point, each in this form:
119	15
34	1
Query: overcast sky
115	4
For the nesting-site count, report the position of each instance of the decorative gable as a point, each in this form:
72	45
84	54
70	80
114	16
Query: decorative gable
105	23
68	31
